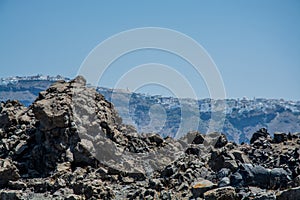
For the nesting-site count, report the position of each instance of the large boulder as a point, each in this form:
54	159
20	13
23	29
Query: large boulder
201	186
289	194
255	175
8	172
280	137
224	193
261	133
221	141
221	158
11	194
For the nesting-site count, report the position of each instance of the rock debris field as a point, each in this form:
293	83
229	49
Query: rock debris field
71	144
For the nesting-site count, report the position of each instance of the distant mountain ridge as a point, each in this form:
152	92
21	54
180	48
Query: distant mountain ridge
242	116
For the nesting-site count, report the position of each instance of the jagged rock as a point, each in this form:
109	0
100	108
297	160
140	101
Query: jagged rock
289	194
17	185
260	177
155	184
221	142
168	171
79	80
241	156
8	172
279	178
255	175
222	159
231	164
224	182
40	186
156	139
193	150
83	153
280	137
199	139
73	197
297	181
265	196
224	193
193	137
10	194
224	172
261	133
21	147
259	194
215	139
236	180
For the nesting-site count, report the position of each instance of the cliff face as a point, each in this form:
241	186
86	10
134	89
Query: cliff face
242	118
71	144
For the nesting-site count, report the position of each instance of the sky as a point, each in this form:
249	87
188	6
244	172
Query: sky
254	44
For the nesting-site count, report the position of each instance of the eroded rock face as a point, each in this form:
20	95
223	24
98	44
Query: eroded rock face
71	144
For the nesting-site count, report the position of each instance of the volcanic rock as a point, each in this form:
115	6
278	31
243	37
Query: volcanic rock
8	172
72	144
224	193
201	186
289	194
261	133
280	137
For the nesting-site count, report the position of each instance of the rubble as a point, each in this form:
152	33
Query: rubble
72	144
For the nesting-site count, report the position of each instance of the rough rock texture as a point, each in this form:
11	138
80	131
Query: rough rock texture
71	144
8	172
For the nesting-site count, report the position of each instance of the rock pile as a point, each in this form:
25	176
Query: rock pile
71	144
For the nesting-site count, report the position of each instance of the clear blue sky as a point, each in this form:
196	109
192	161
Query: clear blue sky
255	44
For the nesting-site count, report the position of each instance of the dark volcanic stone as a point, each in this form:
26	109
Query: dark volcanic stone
290	194
224	193
224	182
8	172
224	172
236	179
221	142
280	137
261	133
199	139
193	151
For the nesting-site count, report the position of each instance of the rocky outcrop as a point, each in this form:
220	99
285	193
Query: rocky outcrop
71	144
